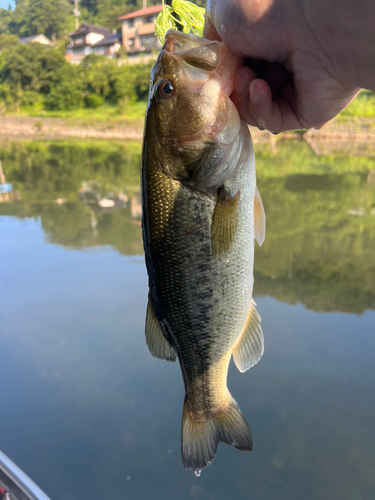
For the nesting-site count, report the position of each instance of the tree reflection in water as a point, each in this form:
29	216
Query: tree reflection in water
320	213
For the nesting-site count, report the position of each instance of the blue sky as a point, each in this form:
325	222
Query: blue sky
5	3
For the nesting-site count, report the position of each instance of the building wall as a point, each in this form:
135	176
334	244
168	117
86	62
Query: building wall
106	50
80	53
92	38
78	40
134	29
76	54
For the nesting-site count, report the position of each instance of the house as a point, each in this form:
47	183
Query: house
108	46
138	31
36	38
90	39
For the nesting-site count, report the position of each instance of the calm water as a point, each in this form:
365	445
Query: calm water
89	414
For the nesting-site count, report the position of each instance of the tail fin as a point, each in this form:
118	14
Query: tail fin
201	436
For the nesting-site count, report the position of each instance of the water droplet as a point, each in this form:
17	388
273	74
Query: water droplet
198	472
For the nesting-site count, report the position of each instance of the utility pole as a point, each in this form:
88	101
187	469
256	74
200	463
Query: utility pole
76	13
2	175
144	4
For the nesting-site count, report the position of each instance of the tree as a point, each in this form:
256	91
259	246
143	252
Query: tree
7	41
45	16
90	5
6	16
32	67
108	12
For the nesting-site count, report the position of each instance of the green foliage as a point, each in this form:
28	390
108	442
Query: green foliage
32	73
142	80
10	97
63	98
61	45
32	70
115	83
7	40
122	84
108	12
46	16
317	250
320	229
48	170
30	98
131	82
32	67
6	17
363	105
43	172
94	100
31	17
109	115
94	70
55	17
67	92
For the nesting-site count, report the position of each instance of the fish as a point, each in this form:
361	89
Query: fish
201	211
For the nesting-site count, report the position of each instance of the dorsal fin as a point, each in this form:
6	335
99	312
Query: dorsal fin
259	219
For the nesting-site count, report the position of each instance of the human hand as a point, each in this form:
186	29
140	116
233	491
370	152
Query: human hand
299	75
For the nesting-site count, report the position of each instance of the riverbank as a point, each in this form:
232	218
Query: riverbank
354	136
28	127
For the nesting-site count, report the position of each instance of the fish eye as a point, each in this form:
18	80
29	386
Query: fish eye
165	89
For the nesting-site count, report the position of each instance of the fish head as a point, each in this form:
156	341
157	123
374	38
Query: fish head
195	121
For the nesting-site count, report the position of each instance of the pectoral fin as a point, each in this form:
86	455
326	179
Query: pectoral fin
259	219
224	222
250	345
158	345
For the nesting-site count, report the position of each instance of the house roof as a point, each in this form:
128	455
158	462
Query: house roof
90	28
33	38
109	40
143	12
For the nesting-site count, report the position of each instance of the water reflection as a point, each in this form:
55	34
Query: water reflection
320	214
78	387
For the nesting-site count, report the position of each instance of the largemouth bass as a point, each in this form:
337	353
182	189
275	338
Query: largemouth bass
201	212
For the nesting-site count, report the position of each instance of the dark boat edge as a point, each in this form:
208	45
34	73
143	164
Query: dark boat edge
15	484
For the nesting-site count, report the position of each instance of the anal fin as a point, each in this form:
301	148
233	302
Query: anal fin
158	345
250	345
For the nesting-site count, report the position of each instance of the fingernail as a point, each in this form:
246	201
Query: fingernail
261	123
240	85
254	95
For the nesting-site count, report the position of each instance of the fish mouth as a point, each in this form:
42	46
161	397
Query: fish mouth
203	56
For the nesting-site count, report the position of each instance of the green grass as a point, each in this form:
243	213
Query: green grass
108	114
363	106
111	115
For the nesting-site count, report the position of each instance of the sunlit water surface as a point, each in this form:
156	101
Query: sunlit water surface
89	414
